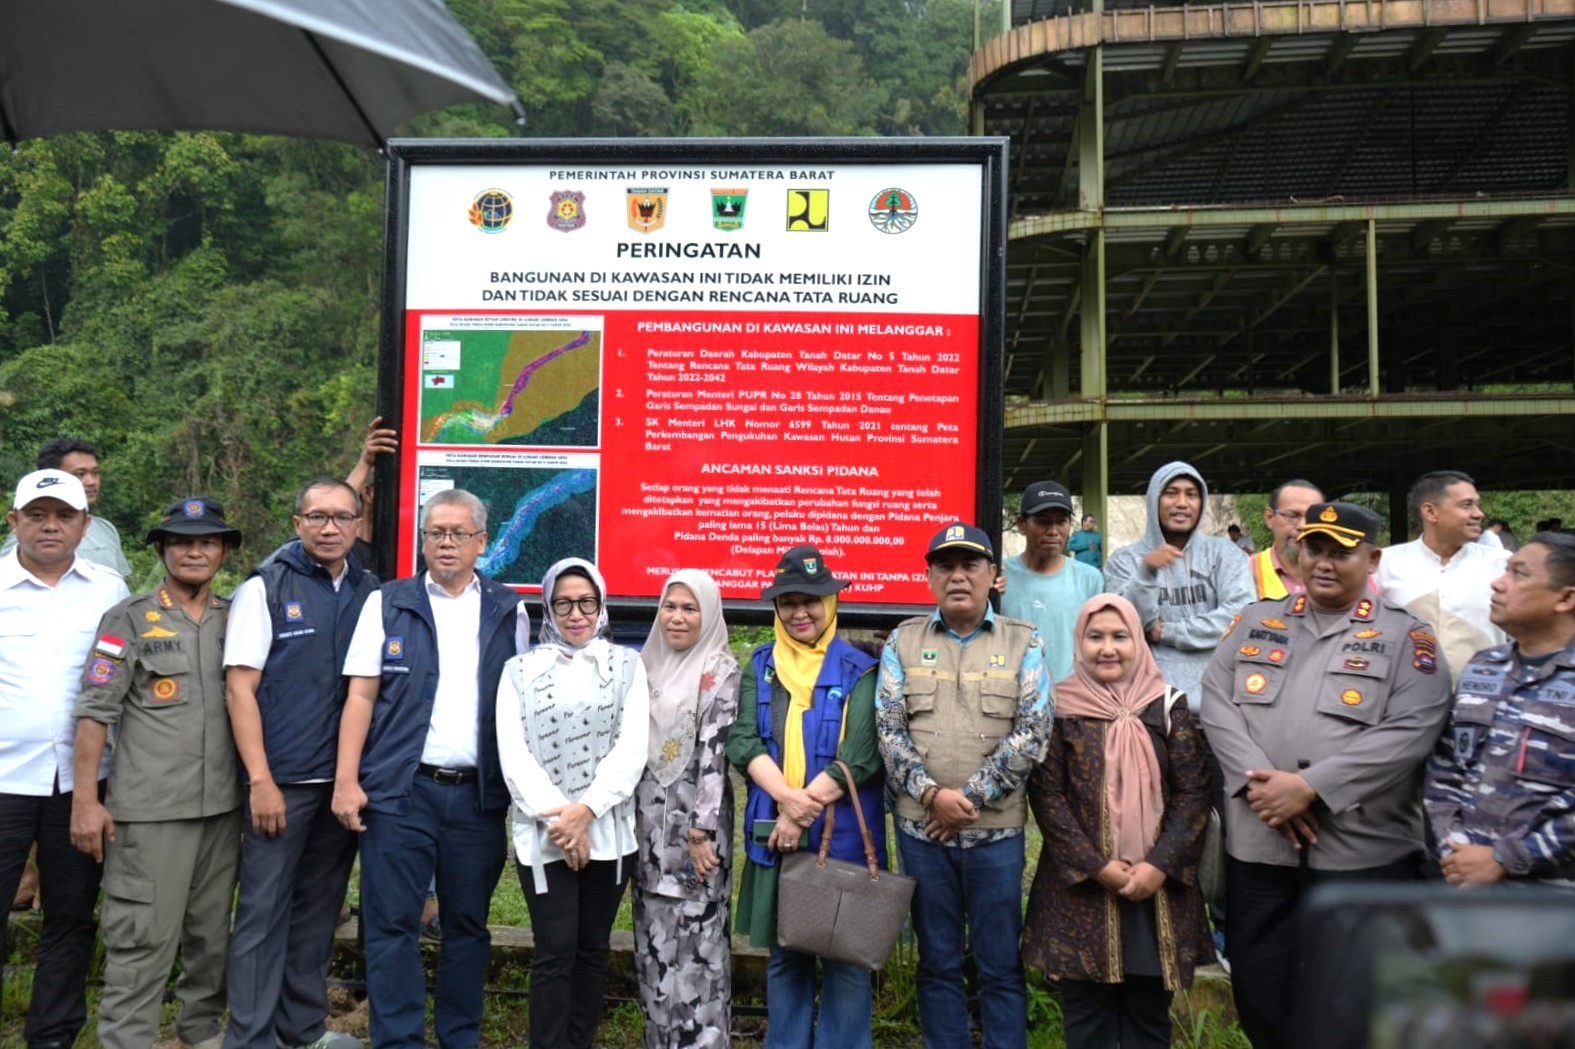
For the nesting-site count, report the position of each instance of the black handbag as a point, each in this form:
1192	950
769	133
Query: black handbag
848	912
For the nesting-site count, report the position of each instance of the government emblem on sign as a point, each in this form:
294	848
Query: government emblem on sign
491	211
647	208
894	210
727	208
808	210
567	211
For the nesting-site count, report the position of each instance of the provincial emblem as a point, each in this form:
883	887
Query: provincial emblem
1364	609
647	208
811	565
1351	698
894	210
1367	633
1276	624
165	689
930	656
1256	683
808	210
491	211
727	208
1277	655
1250	650
293	612
1425	661
1329	516
566	210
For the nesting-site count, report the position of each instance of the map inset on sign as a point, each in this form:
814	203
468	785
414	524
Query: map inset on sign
510	386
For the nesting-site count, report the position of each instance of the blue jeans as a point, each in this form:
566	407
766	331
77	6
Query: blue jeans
977	891
845	1003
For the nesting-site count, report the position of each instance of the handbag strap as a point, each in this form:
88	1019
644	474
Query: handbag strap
858	813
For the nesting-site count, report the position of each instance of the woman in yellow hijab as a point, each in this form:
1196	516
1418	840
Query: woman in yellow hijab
808	699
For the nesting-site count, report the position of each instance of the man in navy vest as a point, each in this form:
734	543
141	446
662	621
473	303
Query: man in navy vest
290	626
418	762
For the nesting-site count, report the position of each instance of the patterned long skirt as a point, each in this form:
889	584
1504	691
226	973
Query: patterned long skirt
685	964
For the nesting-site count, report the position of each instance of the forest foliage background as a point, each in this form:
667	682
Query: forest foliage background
204	306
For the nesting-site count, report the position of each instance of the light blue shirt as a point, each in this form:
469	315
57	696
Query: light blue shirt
1051	603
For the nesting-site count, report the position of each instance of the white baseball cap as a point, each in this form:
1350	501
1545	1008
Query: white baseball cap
50	484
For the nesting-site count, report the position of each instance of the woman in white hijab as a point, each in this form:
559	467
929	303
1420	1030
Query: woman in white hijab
684	821
573	718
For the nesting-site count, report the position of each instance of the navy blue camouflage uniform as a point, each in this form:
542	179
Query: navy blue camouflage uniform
1504	772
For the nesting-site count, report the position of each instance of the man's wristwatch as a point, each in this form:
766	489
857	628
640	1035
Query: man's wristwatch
699	836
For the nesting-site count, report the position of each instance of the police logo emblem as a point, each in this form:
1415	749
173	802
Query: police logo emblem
100	671
165	689
1351	698
491	211
1329	515
394	648
727	208
647	208
193	508
1250	650
566	211
1276	624
894	211
1256	683
293	612
808	210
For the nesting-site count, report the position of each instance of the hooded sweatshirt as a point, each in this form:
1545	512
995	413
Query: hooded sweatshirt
1196	596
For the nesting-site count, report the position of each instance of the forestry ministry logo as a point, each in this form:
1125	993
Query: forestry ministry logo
894	210
491	211
647	208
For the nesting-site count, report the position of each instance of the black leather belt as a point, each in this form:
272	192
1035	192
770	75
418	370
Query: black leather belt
447	777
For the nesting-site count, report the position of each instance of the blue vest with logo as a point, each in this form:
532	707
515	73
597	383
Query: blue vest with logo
842	669
302	691
403	711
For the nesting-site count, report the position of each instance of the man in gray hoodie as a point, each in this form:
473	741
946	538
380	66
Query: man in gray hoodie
1186	586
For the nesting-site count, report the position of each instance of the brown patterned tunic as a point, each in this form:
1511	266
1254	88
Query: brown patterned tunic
1073	930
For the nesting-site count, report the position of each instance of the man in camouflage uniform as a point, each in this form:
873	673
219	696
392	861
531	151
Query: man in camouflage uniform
169	829
1500	788
1322	708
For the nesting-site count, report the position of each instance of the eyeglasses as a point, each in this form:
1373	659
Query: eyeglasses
457	538
589	605
1291	517
319	520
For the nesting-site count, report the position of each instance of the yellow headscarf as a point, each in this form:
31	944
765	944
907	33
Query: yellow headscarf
798	668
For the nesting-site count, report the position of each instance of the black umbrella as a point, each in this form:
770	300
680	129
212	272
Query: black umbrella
351	70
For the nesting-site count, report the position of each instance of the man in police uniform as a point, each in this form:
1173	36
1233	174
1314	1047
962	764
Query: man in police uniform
290	627
1322	708
948	680
168	830
1500	790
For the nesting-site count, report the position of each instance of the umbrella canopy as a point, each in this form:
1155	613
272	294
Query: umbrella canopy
350	70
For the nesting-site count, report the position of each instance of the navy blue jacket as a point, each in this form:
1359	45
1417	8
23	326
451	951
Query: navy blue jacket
403	710
302	692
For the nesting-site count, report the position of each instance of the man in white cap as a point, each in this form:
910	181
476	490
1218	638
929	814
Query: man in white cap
50	602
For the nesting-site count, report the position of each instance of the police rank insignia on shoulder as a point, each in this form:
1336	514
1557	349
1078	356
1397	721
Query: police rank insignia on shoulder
293	612
165	689
1368	633
394	648
165	600
100	671
1276	624
1299	605
1363	609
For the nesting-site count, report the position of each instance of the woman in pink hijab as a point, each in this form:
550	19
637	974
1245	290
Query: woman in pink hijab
1114	915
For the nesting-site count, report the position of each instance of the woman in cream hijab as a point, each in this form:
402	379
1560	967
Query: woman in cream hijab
808	698
573	718
1122	799
684	821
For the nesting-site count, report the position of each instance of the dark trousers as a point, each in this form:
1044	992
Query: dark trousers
571	924
1133	1014
68	886
1265	951
291	887
442	830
